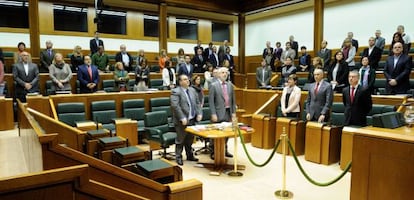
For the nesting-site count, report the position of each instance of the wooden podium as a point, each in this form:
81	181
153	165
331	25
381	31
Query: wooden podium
295	130
7	117
322	143
264	136
347	145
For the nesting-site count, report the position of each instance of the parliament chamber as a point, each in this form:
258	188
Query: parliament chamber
90	146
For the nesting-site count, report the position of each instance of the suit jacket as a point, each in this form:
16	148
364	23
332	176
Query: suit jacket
380	43
355	44
259	76
294	100
371	79
295	46
207	52
351	55
166	77
213	60
197	47
118	58
374	58
84	78
401	73
287	53
307	62
21	78
46	60
93	46
356	111
198	64
326	56
182	69
229	57
321	102
216	100
341	75
265	51
221	53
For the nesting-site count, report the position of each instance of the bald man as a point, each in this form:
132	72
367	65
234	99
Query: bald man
124	57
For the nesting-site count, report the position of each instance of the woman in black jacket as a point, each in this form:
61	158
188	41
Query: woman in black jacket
338	72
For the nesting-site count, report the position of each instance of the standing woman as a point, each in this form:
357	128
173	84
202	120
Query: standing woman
289	102
196	84
168	76
141	56
317	63
121	77
287	69
338	72
21	47
163	57
60	73
208	76
141	76
180	58
367	75
348	52
397	37
76	59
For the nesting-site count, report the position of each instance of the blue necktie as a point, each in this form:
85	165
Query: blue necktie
192	111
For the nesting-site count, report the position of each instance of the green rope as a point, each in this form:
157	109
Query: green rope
250	158
348	167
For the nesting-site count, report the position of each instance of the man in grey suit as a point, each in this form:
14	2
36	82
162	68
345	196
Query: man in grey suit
186	111
46	57
320	97
222	101
288	52
379	41
263	75
26	75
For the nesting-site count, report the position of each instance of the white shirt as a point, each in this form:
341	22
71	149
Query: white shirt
26	68
370	50
125	59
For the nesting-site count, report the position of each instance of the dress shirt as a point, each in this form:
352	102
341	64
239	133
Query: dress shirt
125	59
26	68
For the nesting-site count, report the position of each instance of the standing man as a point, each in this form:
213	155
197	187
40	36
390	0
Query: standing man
397	71
288	52
379	41
325	54
357	101
124	57
320	97
186	68
95	43
373	53
222	51
214	58
101	60
268	47
186	111
208	51
199	62
198	46
88	76
405	37
26	75
353	41
263	75
46	57
294	45
222	101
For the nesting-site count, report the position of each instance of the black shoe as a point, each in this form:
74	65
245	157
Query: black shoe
228	154
212	156
192	159
179	161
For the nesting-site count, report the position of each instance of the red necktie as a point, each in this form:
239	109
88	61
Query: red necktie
90	71
316	88
352	94
225	94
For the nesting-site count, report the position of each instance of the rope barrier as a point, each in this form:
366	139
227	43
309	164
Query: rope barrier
250	158
348	167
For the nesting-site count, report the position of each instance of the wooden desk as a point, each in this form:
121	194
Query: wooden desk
219	136
7	116
382	162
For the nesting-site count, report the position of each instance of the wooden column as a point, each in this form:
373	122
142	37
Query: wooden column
318	24
34	28
242	43
162	26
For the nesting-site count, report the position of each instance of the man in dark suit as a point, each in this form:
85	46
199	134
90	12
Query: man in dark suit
229	57
124	57
198	46
46	57
373	53
88	76
26	75
353	41
222	101
199	62
397	71
357	101
213	58
222	51
294	45
186	111
186	68
379	41
320	97
325	54
208	51
263	75
266	48
95	43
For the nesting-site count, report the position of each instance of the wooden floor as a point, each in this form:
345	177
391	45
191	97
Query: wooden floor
256	183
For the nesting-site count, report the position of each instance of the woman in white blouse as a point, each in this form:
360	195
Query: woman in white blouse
208	76
168	75
289	103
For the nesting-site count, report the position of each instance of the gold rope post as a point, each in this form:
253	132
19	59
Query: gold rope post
235	129
283	193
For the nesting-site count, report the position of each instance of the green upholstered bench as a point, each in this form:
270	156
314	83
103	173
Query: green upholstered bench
130	154
160	170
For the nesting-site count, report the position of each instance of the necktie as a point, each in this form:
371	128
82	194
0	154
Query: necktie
316	88
352	94
362	77
225	94
192	111
90	72
50	53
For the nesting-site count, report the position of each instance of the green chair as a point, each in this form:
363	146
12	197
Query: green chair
108	85
206	116
163	104
70	113
379	85
104	112
131	84
155	68
204	120
50	88
156	127
337	114
135	109
156	83
378	109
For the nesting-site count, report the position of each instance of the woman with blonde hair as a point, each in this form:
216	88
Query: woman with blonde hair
76	59
163	57
60	73
121	77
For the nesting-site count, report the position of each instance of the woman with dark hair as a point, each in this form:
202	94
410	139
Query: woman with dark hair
287	69
317	63
21	47
168	76
196	84
142	73
397	37
338	72
366	75
289	102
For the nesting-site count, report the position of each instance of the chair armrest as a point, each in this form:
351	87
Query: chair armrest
154	131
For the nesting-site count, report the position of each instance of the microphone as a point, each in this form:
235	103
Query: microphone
96	122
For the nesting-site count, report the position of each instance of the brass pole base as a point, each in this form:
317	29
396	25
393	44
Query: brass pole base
284	194
234	173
